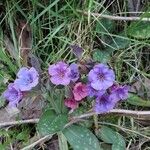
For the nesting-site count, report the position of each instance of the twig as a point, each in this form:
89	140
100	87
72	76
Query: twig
18	122
123	112
45	138
133	113
116	17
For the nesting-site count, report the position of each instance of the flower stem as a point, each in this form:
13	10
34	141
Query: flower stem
95	117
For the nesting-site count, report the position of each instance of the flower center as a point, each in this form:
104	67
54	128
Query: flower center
61	73
29	79
101	77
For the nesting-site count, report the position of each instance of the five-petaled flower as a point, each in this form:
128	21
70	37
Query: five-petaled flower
101	77
104	104
27	79
80	91
59	73
12	94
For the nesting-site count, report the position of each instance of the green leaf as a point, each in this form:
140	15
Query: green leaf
137	101
118	146
101	56
105	25
120	42
139	30
24	135
51	122
63	145
81	138
112	137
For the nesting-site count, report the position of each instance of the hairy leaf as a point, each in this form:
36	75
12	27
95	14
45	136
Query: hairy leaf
50	122
137	101
81	138
112	137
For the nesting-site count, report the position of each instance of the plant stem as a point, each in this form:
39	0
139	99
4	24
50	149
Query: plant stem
131	113
115	17
95	117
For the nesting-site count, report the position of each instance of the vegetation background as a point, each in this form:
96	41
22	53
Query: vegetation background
39	32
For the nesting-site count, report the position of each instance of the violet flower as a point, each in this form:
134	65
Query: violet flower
13	94
92	92
119	92
80	91
101	77
59	73
27	79
71	103
104	104
74	75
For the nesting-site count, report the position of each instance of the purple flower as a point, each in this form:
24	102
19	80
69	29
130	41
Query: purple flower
101	77
27	79
104	104
92	92
74	75
59	73
119	92
13	94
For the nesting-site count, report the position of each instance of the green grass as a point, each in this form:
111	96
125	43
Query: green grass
56	24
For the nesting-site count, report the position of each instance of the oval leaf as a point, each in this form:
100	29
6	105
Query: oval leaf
137	101
112	137
139	30
102	56
81	138
105	25
51	122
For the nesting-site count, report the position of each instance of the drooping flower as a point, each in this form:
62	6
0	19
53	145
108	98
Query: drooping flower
80	91
74	75
119	92
71	103
101	77
77	50
13	94
27	78
92	92
104	104
59	73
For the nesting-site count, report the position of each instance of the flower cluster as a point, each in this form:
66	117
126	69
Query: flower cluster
26	80
63	74
100	84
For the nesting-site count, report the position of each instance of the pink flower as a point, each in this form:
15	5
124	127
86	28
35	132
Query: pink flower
71	103
80	91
